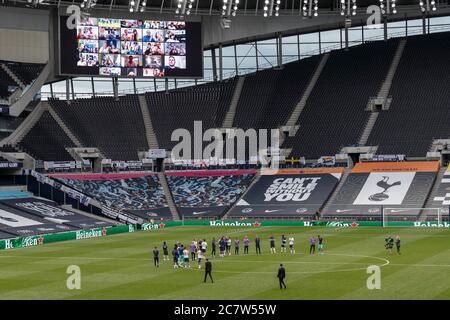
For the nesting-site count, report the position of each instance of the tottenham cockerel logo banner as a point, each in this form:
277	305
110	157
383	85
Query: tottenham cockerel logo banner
374	185
385	188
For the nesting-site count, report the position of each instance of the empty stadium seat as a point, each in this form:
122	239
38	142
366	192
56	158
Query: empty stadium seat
180	108
420	92
334	115
115	127
268	97
46	140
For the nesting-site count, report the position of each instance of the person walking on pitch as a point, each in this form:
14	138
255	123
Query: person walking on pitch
281	275
199	258
208	270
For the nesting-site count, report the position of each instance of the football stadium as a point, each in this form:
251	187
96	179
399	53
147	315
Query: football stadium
252	150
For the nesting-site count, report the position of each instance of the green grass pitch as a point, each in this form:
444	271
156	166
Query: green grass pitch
121	266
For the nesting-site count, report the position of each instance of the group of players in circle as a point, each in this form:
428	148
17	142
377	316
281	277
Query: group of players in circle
183	255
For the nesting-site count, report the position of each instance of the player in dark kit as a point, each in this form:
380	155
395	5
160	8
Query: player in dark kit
320	247
222	247
165	251
175	256
258	245
156	257
283	244
389	244
213	246
272	244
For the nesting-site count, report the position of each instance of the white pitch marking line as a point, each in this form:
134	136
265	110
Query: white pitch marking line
215	259
386	262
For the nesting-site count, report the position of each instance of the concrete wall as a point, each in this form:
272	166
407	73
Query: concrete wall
24	35
24	46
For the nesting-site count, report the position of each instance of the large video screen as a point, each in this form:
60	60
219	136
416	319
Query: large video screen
131	48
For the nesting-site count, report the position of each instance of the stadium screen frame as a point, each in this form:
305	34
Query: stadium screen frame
69	52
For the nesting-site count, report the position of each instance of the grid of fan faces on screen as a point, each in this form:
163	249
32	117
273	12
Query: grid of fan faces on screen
122	47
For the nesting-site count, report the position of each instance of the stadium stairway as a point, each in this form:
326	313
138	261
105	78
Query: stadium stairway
152	140
386	87
229	117
12	75
18	106
368	128
28	87
383	92
11	98
25	126
433	192
61	123
295	115
173	208
301	104
250	186
336	190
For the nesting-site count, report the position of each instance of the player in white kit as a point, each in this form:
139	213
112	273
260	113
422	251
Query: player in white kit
291	245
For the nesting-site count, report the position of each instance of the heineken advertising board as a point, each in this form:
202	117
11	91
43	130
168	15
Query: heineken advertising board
32	241
250	224
38	240
274	223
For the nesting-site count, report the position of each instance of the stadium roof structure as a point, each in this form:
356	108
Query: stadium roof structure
214	7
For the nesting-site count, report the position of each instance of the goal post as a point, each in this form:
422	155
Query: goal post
400	217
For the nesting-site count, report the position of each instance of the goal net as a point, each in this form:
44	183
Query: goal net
401	217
